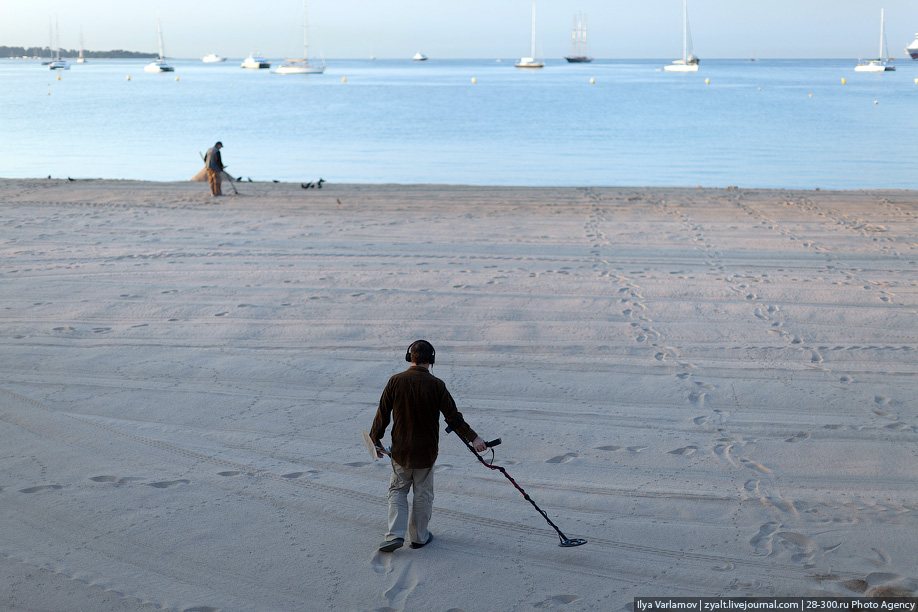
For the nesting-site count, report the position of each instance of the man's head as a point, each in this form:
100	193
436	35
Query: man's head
219	145
421	352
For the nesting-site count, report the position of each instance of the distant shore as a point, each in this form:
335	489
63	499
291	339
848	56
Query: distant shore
46	52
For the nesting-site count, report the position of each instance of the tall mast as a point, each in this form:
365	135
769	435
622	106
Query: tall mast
305	34
159	31
684	31
532	53
880	54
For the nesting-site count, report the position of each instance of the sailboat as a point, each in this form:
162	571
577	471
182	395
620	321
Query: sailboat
879	64
301	66
81	59
56	62
531	62
688	63
578	42
160	64
213	58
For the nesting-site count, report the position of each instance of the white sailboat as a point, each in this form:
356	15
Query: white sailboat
160	65
213	58
56	62
419	57
688	63
879	64
578	42
301	66
81	59
531	61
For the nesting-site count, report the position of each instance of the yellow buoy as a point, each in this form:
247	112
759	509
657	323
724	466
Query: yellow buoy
344	79
58	77
474	80
707	81
844	80
128	78
592	80
176	79
916	81
811	95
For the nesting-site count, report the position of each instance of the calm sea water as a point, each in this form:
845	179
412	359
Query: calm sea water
769	123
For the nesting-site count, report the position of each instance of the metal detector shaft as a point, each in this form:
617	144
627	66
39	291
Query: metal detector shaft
565	541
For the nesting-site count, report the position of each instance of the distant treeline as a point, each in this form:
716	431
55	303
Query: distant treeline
47	52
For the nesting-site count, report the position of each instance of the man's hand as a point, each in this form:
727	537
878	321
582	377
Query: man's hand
479	445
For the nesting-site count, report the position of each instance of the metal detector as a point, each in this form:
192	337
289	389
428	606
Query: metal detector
223	172
566	542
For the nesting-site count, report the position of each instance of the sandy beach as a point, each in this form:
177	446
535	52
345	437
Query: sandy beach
712	386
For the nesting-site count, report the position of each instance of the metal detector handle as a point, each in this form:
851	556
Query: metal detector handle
489	444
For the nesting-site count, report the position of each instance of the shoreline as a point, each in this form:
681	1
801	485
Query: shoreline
331	185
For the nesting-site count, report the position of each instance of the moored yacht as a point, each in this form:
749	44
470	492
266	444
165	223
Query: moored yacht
531	61
255	62
160	64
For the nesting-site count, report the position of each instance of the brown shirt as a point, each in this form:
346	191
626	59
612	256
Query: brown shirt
414	400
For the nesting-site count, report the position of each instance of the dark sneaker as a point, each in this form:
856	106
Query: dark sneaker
422	545
390	545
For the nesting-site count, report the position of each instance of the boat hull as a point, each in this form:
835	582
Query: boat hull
59	65
578	59
874	66
681	68
255	63
158	67
300	69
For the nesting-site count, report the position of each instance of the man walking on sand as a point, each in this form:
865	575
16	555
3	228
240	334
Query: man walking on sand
414	400
214	164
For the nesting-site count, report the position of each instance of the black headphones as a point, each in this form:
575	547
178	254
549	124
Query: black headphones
433	353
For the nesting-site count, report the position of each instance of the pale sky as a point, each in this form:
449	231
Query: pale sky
468	28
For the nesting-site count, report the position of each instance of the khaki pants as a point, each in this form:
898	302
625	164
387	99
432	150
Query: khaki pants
400	518
214	178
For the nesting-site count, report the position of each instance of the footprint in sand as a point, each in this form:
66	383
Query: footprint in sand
112	479
803	549
763	542
556	600
229	473
169	483
685	450
610	448
41	488
798	437
563	458
752	465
